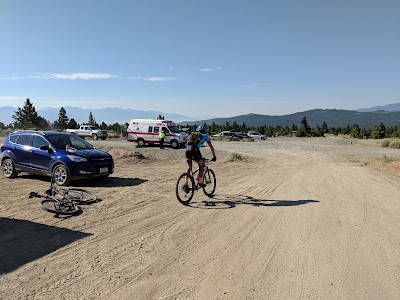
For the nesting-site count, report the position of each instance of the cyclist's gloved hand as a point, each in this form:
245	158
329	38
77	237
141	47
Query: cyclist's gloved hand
214	158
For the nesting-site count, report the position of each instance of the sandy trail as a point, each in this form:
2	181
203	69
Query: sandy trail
297	219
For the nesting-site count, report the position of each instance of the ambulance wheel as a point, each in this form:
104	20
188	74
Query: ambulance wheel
140	142
174	144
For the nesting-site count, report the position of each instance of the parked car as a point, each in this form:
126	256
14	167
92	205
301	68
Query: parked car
244	135
222	134
228	133
89	131
256	135
64	155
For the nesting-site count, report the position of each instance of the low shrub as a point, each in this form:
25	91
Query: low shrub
394	144
391	143
385	143
235	157
114	134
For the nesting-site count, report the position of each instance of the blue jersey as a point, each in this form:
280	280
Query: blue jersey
203	138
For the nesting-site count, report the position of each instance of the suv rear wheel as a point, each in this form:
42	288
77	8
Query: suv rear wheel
61	175
8	168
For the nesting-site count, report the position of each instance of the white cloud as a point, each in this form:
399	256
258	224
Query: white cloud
10	78
70	76
255	84
156	79
83	76
210	70
9	98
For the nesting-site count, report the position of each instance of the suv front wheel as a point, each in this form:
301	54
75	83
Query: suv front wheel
8	168
61	175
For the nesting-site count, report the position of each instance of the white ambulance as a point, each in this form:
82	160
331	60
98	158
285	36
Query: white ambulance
145	131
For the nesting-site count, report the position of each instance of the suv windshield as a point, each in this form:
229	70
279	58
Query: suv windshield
61	142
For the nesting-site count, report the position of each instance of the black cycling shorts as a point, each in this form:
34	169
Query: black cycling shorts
193	153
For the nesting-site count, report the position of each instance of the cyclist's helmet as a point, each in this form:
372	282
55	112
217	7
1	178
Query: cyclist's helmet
201	127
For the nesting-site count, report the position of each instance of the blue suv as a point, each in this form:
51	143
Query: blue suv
65	156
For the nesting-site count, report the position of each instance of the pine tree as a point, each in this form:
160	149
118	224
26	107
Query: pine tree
305	130
379	131
62	121
72	124
325	127
27	116
91	121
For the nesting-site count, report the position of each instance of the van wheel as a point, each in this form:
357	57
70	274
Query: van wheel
140	142
94	136
8	168
174	144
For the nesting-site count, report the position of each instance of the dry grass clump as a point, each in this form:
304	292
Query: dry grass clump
385	164
391	143
118	153
236	157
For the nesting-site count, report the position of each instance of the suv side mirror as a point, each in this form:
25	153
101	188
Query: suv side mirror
50	150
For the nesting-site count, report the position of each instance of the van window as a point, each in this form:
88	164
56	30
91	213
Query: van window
24	139
156	129
150	129
38	142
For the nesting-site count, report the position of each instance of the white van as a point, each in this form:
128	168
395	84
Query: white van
145	131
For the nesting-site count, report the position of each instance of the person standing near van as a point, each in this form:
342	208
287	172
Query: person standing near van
161	137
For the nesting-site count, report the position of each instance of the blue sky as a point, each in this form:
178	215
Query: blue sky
200	58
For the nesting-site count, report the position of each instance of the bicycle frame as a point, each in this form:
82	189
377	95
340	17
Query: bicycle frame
193	173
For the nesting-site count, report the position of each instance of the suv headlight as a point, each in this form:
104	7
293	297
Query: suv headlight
76	158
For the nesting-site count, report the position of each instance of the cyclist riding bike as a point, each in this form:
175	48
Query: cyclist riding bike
193	144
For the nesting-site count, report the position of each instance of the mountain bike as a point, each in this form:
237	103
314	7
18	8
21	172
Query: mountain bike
64	201
187	185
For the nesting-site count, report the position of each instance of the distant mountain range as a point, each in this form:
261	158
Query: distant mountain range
389	107
81	115
332	117
364	117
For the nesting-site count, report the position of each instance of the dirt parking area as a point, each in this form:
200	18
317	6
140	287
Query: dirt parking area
291	219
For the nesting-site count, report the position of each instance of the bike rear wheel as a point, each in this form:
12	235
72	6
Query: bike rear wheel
81	196
185	188
57	207
210	182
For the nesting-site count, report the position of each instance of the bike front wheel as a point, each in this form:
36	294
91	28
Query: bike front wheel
185	188
57	207
81	196
210	182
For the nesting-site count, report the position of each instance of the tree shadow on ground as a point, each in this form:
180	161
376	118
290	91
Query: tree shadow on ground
24	241
231	201
111	181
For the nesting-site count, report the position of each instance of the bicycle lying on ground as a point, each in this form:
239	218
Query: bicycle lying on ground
186	184
64	201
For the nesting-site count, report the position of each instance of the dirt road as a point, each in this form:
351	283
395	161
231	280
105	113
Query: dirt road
295	219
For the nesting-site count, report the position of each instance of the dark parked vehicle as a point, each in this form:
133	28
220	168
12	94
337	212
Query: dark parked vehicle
66	156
